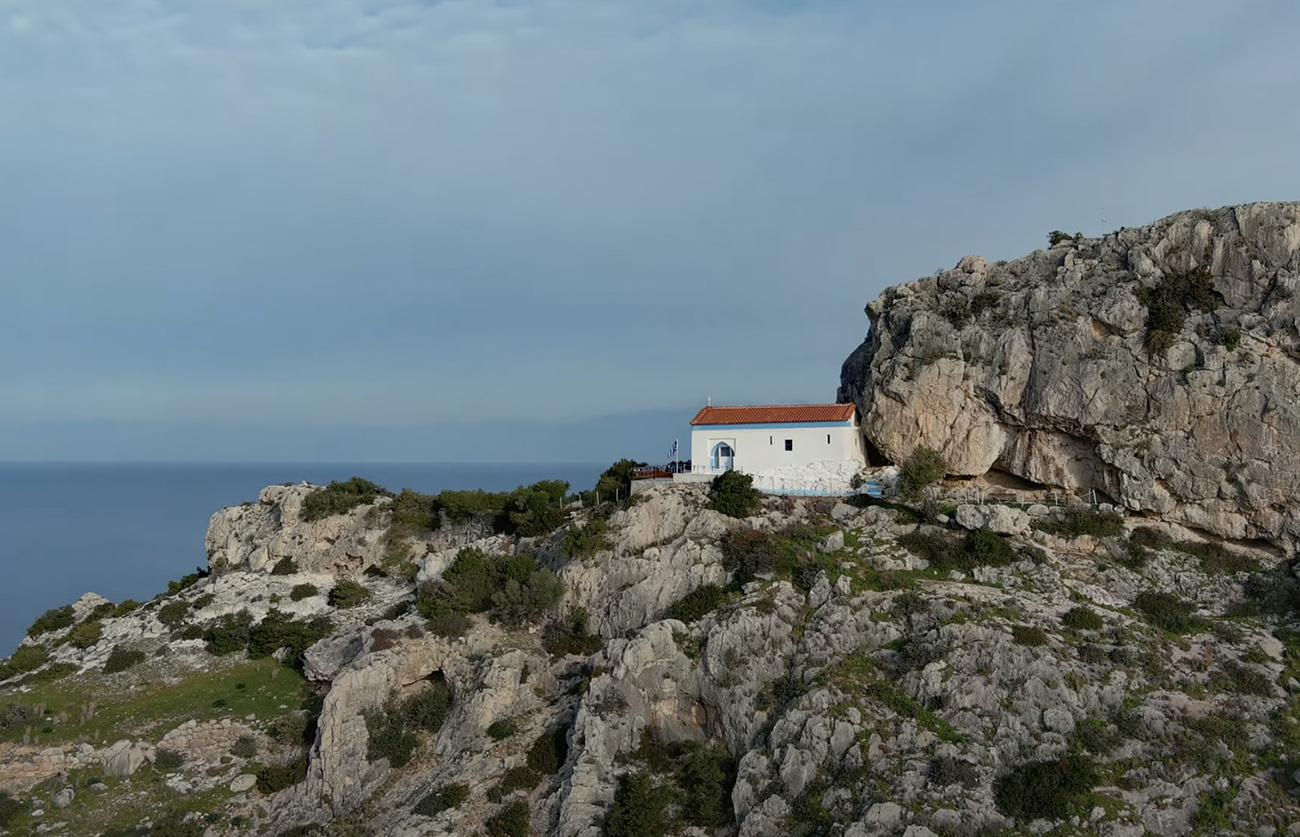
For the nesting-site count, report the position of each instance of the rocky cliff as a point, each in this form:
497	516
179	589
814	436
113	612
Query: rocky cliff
818	668
1157	365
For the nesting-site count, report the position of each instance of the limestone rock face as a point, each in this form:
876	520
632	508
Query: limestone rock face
1053	368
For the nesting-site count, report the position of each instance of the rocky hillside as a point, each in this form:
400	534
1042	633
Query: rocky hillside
1157	365
363	664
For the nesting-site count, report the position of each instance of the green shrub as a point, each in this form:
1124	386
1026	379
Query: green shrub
1056	237
24	659
1169	301
1275	591
411	513
946	770
292	728
126	607
640	808
1243	680
528	593
187	581
467	586
229	633
443	799
698	603
533	510
1076	521
120	660
733	494
587	540
1082	619
1045	789
500	730
166	760
1167	611
749	552
428	709
85	634
272	778
1228	338
347	593
285	566
571	635
245	747
9	808
389	739
55	619
1093	735
616	481
510	821
1028	636
173	614
706	777
549	751
448	625
341	497
303	591
980	547
280	630
515	779
923	468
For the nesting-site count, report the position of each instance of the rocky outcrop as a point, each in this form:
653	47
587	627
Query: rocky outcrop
1156	365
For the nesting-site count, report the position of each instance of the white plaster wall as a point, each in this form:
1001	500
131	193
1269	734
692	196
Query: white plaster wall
762	448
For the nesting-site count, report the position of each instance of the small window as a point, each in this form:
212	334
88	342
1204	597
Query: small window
789	444
724	450
769	440
828	438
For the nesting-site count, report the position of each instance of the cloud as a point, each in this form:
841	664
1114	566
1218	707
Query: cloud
394	210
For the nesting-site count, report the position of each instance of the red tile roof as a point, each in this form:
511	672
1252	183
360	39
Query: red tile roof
778	414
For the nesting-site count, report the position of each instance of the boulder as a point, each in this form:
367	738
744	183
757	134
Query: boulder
1004	520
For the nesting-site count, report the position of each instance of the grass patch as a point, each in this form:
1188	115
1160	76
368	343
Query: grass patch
1046	789
1077	521
1168	612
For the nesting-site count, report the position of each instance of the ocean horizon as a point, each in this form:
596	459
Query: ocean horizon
124	529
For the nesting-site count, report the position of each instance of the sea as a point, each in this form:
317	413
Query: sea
124	530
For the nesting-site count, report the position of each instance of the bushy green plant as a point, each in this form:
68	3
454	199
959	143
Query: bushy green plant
1167	611
1076	521
280	630
640	808
165	759
187	581
529	591
173	614
923	468
9	808
587	540
549	751
245	747
749	552
272	778
292	728
1082	618
510	821
55	619
501	730
705	777
534	510
571	635
120	659
303	591
733	494
229	633
698	603
443	799
24	659
85	634
428	708
347	593
285	566
1169	301
127	606
389	739
519	590
616	480
946	770
1045	789
341	497
448	625
1028	635
515	779
980	547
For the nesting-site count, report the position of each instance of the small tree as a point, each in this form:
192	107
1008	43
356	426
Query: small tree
734	494
923	468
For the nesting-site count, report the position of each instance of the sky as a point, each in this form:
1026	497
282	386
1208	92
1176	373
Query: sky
457	230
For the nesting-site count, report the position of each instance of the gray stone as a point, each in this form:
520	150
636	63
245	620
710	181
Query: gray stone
833	542
243	783
64	798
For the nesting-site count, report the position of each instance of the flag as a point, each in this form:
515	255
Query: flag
672	454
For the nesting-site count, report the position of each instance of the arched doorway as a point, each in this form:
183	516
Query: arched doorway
723	458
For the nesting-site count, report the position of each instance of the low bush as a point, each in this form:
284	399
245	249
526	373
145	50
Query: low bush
697	604
448	625
515	779
946	770
428	708
347	593
245	747
1028	635
185	582
980	547
705	778
272	778
341	497
749	552
923	468
17	716
1274	591
55	619
443	799
85	634
280	630
529	591
733	494
121	659
167	760
285	566
571	635
24	659
1076	521
640	808
510	821
549	751
514	587
1168	612
389	739
1082	619
587	540
1045	789
501	730
1094	735
1242	679
9	808
292	728
229	633
173	614
126	607
303	591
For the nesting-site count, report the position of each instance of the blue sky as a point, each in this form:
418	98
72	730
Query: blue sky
313	229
